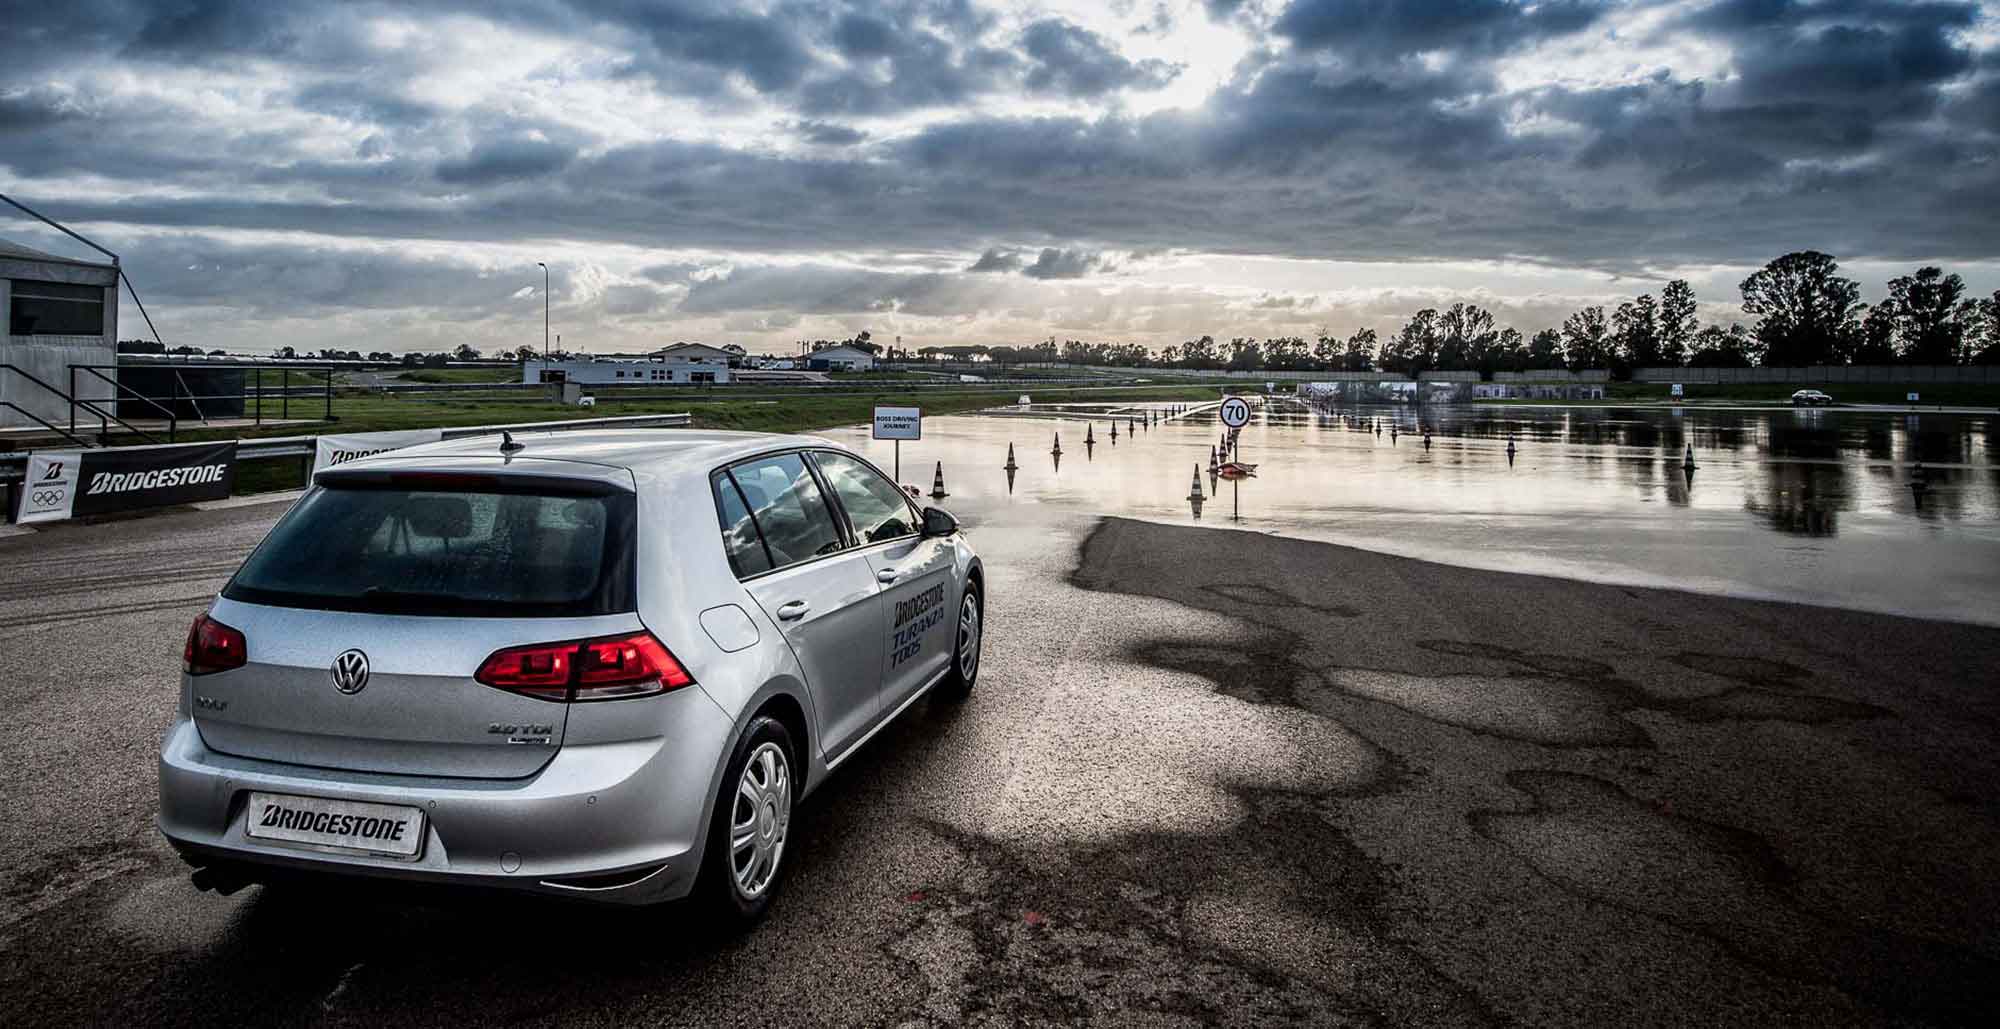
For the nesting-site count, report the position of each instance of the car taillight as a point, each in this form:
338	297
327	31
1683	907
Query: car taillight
612	668
213	647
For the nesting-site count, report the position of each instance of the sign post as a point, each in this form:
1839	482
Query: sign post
899	424
1679	390
1235	414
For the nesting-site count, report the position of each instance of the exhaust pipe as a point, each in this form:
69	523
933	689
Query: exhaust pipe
222	882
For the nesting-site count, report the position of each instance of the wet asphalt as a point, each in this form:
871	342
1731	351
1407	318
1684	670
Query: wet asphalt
1208	777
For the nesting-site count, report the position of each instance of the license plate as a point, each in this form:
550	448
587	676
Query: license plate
349	825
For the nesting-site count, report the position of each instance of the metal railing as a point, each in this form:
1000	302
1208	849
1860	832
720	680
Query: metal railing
70	398
251	396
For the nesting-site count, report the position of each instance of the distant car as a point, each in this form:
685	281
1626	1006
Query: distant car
597	665
1811	398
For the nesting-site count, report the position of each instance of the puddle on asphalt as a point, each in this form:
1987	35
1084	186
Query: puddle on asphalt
1806	505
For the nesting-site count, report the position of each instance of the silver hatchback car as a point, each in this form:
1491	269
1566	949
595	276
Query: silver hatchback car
597	665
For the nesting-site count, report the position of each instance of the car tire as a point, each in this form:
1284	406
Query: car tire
965	653
765	764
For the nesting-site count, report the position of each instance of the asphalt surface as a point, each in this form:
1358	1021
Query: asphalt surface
1208	777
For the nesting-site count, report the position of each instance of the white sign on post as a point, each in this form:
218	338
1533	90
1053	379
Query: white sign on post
1236	412
899	423
1913	398
1678	390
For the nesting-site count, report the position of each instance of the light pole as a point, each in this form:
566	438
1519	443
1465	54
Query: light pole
545	315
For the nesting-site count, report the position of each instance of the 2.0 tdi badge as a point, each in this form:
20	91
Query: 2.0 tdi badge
350	671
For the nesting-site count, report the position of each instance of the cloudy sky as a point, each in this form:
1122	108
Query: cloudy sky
385	175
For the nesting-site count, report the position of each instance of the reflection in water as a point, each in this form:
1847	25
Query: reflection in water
1815	505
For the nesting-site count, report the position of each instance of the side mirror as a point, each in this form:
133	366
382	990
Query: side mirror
939	522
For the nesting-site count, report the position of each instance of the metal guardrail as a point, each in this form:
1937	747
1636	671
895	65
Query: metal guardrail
14	466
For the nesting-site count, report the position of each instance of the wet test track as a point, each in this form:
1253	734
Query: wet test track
1208	777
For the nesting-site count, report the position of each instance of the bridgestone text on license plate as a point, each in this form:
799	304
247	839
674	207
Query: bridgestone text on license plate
346	824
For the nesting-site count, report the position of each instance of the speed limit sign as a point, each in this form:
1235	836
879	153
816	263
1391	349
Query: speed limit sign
1236	412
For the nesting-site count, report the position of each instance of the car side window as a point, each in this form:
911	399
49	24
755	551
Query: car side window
740	537
788	509
875	506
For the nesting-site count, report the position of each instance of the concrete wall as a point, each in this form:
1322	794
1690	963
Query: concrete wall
1832	375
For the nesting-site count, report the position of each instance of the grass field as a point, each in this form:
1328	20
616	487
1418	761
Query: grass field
437	376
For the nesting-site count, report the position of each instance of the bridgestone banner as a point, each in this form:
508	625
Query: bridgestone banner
72	483
338	450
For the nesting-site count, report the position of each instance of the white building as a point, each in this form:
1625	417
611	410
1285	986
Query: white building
697	353
58	312
679	369
841	359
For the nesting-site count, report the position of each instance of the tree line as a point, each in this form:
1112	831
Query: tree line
1805	313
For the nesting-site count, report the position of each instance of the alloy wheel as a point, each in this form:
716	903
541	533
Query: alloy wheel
968	638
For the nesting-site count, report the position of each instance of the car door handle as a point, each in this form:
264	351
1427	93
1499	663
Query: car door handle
886	576
794	609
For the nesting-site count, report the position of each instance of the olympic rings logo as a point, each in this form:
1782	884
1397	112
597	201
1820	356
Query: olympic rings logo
47	497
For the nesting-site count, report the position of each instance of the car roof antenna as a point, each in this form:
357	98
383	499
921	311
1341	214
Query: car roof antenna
507	444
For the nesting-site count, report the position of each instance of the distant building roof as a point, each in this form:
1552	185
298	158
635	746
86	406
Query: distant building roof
681	349
22	253
850	351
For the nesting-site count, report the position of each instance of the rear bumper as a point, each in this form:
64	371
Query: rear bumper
619	822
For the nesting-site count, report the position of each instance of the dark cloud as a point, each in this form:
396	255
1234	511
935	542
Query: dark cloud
860	36
506	161
26	109
1376	29
201	29
766	50
1075	61
366	101
1056	263
828	133
995	259
287	281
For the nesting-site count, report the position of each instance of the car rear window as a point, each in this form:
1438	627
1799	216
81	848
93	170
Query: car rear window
447	552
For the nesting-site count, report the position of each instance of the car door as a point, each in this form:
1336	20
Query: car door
819	590
915	573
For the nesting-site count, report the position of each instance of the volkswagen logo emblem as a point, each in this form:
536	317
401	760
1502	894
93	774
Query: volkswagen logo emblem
350	671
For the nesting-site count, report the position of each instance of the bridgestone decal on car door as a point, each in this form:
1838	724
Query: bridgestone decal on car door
915	618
